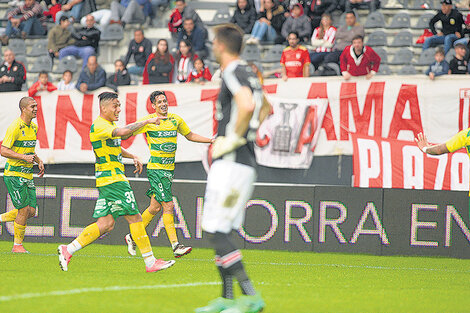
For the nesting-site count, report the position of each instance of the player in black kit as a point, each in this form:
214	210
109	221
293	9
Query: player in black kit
241	107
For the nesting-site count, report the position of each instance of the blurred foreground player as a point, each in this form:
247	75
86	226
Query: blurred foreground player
116	197
18	147
241	107
161	140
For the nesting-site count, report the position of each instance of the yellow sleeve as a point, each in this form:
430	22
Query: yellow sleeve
104	131
459	141
183	128
11	136
145	128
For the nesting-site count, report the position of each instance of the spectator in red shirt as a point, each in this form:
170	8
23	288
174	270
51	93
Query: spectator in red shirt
295	59
43	83
359	60
200	74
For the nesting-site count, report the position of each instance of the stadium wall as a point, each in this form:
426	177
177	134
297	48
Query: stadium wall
279	217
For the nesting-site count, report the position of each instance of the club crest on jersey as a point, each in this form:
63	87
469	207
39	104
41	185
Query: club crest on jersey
15	68
22	132
3	68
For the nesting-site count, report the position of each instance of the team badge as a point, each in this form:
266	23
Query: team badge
3	68
452	21
22	132
297	55
15	68
141	49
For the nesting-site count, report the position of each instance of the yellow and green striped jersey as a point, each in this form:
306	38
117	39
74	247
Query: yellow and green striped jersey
108	168
21	138
460	140
161	140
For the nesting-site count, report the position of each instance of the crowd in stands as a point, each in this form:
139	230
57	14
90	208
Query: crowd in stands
306	28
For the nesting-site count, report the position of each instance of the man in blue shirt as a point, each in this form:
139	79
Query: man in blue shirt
92	76
196	36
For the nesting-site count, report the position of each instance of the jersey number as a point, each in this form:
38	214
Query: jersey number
129	196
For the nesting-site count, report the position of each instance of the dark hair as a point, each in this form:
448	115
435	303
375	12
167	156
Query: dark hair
43	73
190	53
180	1
119	60
439	51
105	96
293	32
188	19
460	45
358	37
165	57
231	36
139	30
350	12
67	71
24	102
202	61
155	94
63	18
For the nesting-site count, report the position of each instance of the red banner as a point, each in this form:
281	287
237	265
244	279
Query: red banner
391	163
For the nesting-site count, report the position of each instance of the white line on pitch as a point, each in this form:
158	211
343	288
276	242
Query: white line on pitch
99	289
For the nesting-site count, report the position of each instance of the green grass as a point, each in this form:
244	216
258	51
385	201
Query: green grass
289	282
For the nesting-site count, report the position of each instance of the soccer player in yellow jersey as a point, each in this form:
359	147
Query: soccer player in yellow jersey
116	197
18	147
161	140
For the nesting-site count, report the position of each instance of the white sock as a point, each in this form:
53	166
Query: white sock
149	260
17	244
74	246
173	245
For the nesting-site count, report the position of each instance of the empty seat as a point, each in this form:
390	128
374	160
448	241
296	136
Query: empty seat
18	46
375	20
423	21
42	63
39	48
424	4
22	59
384	69
402	39
377	38
221	16
400	20
426	57
251	53
402	57
273	55
67	63
382	54
112	32
407	70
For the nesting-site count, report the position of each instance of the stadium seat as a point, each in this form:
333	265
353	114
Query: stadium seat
400	20
402	39
39	48
423	21
375	20
384	69
426	57
273	55
377	38
450	55
382	54
402	57
221	16
21	58
112	32
424	4
407	70
42	63
18	46
251	53
67	63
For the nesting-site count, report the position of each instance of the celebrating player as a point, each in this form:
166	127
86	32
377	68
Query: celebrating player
18	147
241	107
161	140
116	197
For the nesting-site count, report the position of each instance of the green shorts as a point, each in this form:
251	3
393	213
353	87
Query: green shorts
160	185
116	199
22	191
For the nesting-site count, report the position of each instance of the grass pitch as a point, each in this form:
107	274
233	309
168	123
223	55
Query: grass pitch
104	278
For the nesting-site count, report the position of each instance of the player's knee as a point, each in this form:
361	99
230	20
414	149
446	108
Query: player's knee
108	226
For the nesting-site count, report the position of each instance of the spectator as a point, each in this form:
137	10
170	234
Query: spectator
323	39
92	76
42	84
120	77
141	48
182	12
258	5
452	22
295	59
269	24
344	36
102	17
59	37
159	66
458	65
466	30
359	60
195	36
72	9
297	22
316	8
66	81
184	62
438	68
200	74
12	73
24	20
244	16
359	4
130	11
86	42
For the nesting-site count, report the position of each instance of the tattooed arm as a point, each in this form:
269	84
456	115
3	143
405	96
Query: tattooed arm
127	131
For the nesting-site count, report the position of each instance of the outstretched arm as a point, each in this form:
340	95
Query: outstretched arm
424	146
198	138
127	131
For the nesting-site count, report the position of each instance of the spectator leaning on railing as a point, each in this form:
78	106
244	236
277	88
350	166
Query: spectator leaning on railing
359	60
92	76
439	67
295	60
43	84
120	77
459	64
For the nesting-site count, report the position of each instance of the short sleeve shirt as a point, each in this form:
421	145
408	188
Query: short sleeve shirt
294	60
